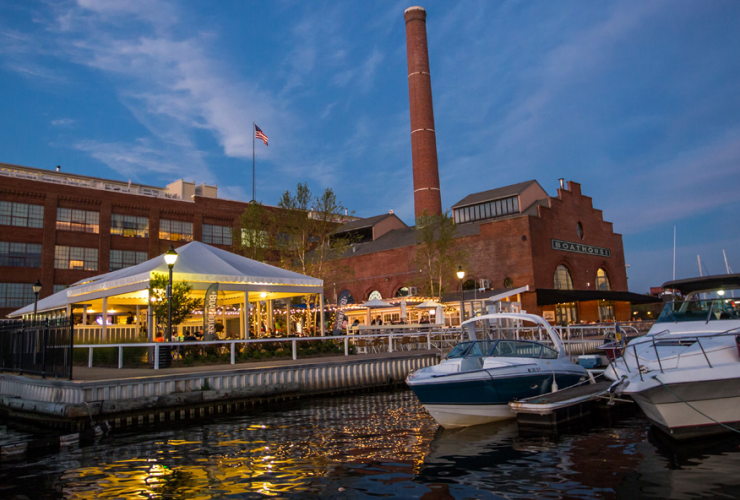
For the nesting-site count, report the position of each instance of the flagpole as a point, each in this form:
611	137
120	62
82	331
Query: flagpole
254	132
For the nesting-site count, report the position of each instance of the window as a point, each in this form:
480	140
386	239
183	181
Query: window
129	226
21	214
20	254
84	221
59	288
175	230
125	258
403	292
602	280
508	283
566	314
606	310
254	239
216	235
16	295
563	279
374	295
76	258
579	229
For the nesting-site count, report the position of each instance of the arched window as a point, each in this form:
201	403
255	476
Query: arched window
469	285
602	280
403	292
374	295
563	279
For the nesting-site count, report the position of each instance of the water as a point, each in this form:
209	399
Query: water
373	446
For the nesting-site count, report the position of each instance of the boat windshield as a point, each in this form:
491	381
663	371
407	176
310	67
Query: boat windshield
459	350
502	348
700	310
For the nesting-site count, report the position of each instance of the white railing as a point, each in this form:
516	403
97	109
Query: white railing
364	344
113	334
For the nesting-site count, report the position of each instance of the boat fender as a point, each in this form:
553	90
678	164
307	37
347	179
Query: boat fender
619	386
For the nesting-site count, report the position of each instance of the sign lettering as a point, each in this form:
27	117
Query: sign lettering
569	246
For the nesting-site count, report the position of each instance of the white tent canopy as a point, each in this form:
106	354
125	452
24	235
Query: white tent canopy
198	264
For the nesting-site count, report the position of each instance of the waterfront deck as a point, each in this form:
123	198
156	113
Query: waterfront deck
131	396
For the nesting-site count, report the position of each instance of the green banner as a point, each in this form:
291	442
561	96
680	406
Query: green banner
209	311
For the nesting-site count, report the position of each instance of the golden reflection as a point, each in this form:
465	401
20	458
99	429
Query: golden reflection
288	452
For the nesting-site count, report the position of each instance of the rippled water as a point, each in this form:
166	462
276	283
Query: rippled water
376	445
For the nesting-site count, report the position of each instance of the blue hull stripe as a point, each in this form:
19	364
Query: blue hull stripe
491	391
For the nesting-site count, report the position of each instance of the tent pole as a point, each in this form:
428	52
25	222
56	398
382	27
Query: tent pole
321	305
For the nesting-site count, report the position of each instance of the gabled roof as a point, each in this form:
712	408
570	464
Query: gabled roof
404	237
363	223
494	194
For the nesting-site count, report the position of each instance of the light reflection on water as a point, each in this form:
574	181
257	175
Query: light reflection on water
376	445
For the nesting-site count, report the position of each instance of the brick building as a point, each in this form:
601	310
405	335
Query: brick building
515	236
60	228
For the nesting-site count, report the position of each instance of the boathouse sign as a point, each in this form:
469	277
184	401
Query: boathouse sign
580	248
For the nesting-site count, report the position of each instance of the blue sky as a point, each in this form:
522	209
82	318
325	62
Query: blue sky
637	101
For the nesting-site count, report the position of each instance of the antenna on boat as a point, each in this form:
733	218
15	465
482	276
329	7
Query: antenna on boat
727	268
674	253
698	258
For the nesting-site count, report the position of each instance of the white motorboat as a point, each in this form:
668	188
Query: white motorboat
476	381
685	373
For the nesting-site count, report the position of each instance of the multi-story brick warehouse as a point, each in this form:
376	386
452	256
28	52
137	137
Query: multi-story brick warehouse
515	236
61	228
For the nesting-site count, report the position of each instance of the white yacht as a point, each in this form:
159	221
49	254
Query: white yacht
685	373
476	381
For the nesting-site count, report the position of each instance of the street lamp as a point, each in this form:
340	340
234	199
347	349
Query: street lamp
170	258
461	277
36	289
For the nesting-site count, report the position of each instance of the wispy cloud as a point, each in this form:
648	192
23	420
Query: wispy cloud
62	122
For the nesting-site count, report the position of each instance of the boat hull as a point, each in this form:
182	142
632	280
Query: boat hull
482	399
692	409
451	416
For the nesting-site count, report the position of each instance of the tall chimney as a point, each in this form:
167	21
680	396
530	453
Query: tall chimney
423	139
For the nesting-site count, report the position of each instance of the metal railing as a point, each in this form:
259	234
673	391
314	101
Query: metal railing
155	353
37	348
654	341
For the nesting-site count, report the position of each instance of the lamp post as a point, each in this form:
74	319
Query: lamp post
461	277
170	258
36	289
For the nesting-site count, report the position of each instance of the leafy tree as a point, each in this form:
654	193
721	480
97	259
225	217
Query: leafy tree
305	236
253	237
182	303
436	254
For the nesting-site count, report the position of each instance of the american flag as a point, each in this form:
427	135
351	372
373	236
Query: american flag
259	134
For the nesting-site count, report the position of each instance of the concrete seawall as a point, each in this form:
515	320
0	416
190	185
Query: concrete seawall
143	398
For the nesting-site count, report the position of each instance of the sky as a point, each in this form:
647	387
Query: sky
636	101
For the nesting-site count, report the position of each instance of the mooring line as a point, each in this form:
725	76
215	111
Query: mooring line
696	409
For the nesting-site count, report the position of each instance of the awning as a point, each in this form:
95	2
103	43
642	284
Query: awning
547	297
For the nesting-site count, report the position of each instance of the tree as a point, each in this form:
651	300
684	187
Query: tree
436	254
182	303
305	233
252	238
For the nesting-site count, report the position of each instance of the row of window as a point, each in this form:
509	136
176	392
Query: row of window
16	295
20	254
564	281
21	214
487	210
88	221
217	235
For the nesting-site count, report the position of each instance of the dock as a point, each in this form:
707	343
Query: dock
571	406
112	398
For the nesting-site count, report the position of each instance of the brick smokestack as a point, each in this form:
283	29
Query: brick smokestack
423	139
